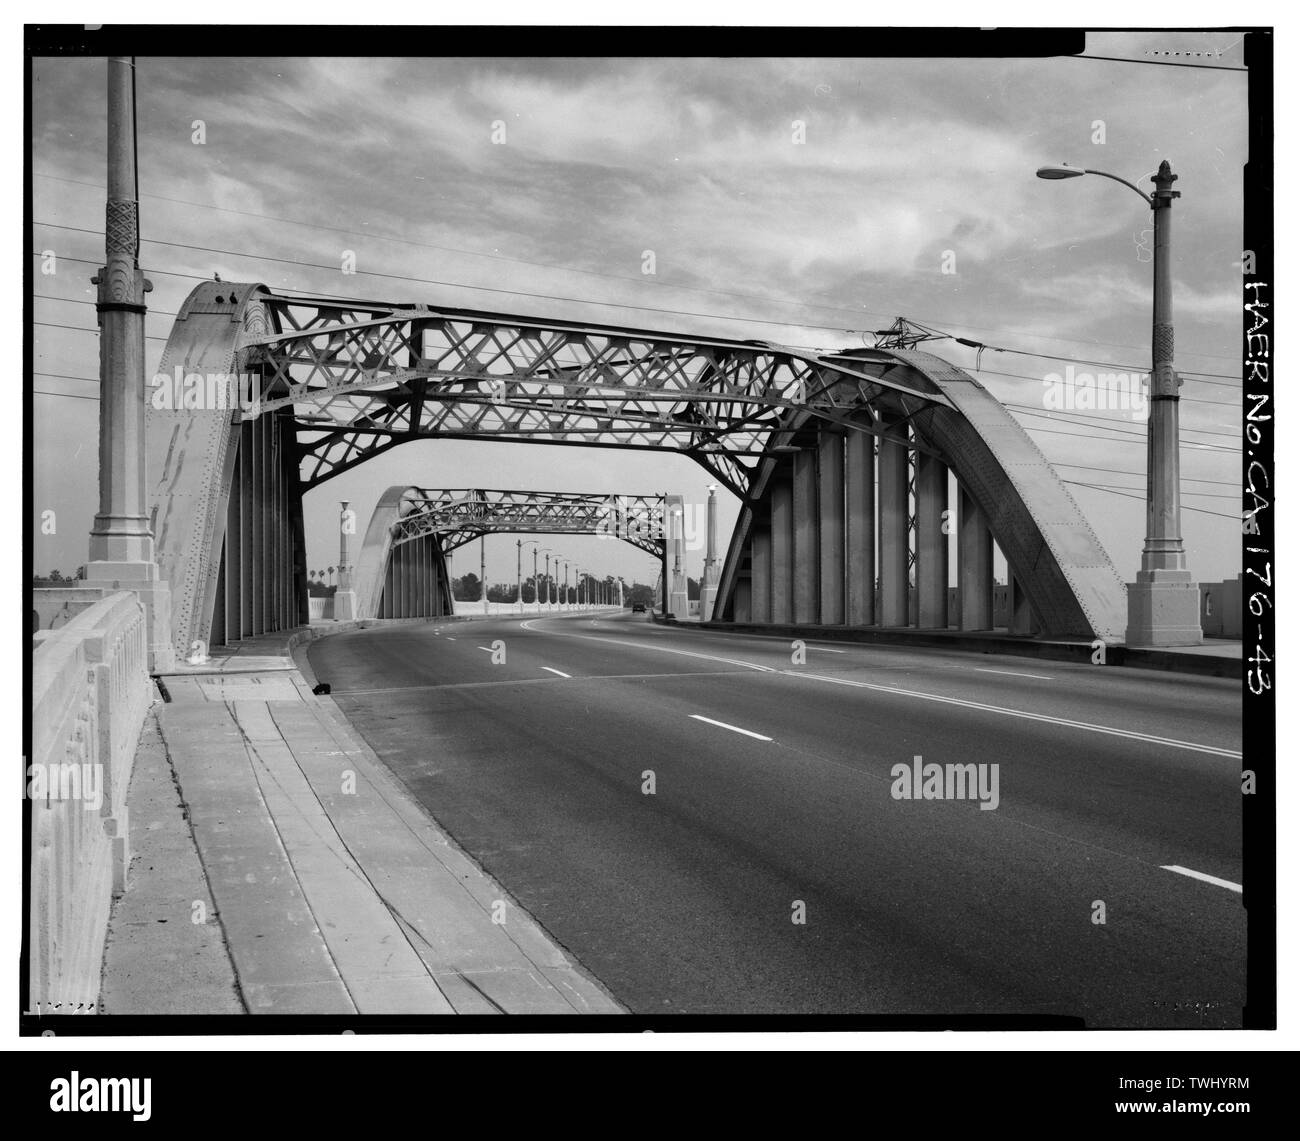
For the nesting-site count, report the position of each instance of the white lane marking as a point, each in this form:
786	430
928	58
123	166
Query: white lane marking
657	649
1182	871
1086	725
1012	673
827	650
450	638
556	672
487	648
733	728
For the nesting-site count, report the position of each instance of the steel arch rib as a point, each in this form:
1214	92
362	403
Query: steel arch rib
372	563
192	452
1048	544
450	372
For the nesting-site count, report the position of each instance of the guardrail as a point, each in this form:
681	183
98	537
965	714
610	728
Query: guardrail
90	693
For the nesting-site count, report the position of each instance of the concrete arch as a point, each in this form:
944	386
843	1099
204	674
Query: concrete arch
375	572
1052	552
224	479
336	382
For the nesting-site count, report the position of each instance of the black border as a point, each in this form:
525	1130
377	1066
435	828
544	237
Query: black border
1259	709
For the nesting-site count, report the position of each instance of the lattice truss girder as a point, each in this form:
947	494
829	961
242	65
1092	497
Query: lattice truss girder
362	377
460	516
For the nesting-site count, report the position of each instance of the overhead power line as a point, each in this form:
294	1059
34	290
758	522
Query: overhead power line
1112	491
1158	62
635	280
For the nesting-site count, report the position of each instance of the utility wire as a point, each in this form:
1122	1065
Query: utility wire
570	269
1104	424
1111	491
1158	62
1126	471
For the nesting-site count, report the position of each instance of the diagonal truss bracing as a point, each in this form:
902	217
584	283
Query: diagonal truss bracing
347	379
361	377
460	516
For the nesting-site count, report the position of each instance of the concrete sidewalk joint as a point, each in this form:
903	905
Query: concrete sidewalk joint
335	891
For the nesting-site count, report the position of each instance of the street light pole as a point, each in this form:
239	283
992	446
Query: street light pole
519	574
122	554
1164	602
709	581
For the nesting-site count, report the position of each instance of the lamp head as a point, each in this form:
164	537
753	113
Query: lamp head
1062	171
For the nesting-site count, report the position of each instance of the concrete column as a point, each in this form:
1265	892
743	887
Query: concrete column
860	527
893	528
974	566
931	542
678	604
782	552
345	600
830	500
741	608
420	563
709	583
806	566
760	574
1022	614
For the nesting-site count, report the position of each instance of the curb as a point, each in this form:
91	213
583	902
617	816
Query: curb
1170	661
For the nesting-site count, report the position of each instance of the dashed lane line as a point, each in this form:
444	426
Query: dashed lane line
1011	673
1023	713
657	649
1182	871
733	728
556	672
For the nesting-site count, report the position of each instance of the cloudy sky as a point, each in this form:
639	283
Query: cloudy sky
908	167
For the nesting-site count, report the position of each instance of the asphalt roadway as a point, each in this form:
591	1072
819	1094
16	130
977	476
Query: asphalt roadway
710	825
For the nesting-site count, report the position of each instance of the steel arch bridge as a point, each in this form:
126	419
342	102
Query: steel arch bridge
413	529
841	460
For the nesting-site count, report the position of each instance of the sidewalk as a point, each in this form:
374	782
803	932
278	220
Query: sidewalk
329	887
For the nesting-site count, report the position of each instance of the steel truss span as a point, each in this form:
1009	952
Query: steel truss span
780	427
413	525
459	517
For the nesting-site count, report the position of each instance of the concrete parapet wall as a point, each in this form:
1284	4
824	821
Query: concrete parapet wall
90	692
1221	608
56	606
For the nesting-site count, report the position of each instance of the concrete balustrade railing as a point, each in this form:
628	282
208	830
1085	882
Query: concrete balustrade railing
91	691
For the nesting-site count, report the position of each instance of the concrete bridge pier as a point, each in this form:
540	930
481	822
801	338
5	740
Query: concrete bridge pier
805	547
974	566
893	527
931	542
830	529
782	548
860	527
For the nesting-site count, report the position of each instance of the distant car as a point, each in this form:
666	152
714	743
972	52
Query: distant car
638	608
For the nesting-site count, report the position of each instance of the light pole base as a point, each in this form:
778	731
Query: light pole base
155	596
1164	609
345	605
708	596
